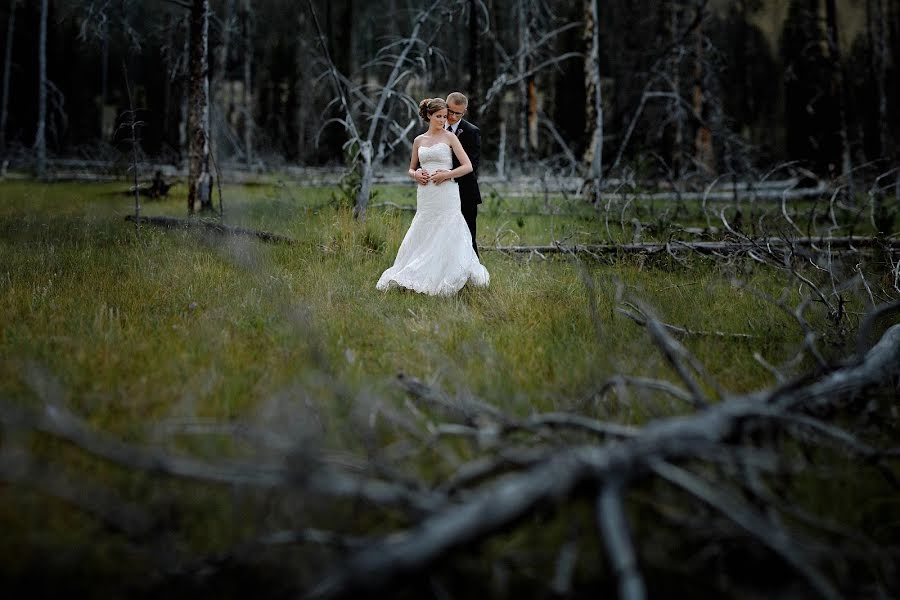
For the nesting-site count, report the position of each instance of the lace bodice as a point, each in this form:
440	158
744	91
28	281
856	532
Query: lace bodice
437	156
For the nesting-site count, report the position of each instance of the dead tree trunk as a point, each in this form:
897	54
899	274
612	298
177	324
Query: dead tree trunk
301	83
594	95
703	148
879	59
199	180
366	147
674	104
217	90
525	83
40	141
7	65
184	110
247	42
839	91
169	29
104	74
474	67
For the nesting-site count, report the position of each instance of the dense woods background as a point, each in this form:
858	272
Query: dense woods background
714	87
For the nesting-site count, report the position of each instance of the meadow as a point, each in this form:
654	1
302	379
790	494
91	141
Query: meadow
147	332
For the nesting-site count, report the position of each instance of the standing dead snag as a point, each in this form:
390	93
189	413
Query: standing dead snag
594	87
40	141
703	144
7	62
838	89
199	178
247	31
369	150
133	125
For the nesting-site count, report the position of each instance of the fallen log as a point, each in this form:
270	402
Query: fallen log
654	450
725	246
176	223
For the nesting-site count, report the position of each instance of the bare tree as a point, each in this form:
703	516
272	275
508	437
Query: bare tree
95	25
877	28
672	22
199	177
370	148
474	59
7	64
595	97
704	155
40	142
664	83
527	117
247	31
133	125
838	90
529	51
219	75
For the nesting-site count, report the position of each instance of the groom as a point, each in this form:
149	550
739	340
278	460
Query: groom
470	138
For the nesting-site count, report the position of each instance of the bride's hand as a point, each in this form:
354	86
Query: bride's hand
440	176
422	176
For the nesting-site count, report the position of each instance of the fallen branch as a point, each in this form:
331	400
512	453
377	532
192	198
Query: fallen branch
664	442
393	205
57	422
705	247
641	320
175	223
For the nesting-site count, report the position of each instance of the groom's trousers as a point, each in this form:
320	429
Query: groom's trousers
470	214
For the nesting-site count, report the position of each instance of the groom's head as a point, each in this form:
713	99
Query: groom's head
456	107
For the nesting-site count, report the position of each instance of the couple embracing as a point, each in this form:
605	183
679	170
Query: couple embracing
439	255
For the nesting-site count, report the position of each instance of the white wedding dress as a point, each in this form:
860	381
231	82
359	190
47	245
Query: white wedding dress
436	256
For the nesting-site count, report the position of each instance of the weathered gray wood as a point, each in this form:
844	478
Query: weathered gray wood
199	177
40	142
820	244
500	504
174	223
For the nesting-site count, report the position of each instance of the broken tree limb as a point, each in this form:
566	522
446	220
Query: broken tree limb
641	320
754	523
57	422
214	226
614	529
664	442
704	247
393	205
469	409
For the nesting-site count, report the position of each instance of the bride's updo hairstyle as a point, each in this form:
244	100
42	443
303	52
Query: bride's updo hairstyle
429	106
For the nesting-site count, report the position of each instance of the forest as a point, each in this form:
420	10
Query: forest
687	87
682	380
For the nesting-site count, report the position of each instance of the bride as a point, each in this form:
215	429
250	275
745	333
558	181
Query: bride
436	256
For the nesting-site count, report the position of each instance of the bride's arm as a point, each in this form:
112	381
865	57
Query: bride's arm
465	165
420	177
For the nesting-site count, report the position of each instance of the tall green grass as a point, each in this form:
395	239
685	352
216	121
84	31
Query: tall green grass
130	328
132	323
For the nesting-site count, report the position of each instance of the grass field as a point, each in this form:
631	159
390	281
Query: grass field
132	323
133	330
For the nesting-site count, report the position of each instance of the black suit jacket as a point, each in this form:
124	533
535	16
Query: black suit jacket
470	138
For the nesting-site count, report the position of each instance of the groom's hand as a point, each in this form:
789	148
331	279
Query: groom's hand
422	176
440	176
